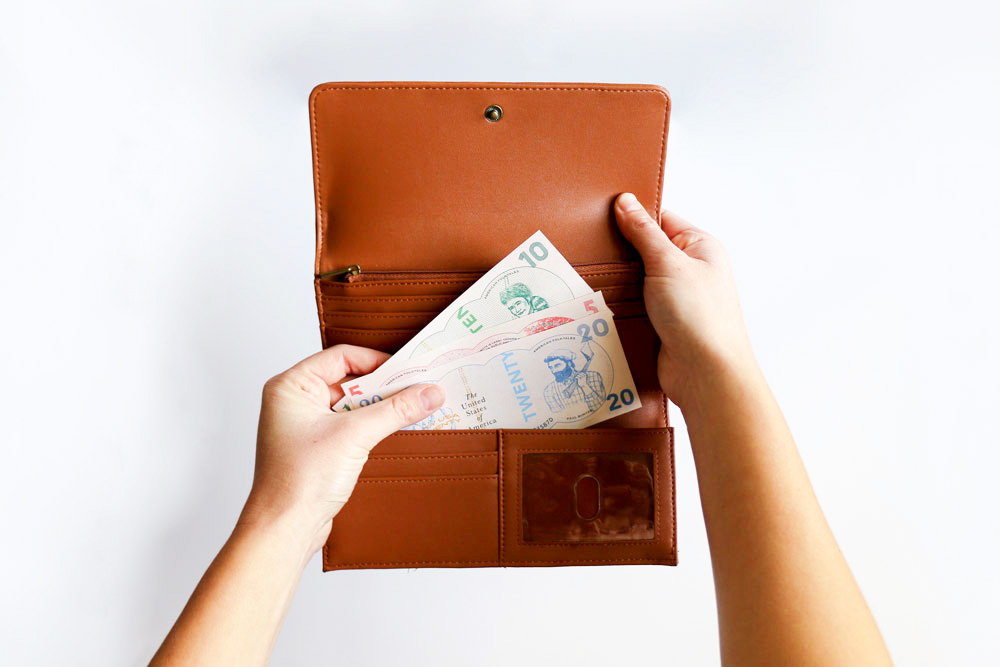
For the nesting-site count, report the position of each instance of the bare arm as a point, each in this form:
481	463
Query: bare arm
308	461
784	591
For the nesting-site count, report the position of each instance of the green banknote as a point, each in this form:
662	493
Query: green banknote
532	278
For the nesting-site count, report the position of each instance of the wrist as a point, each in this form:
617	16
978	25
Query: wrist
718	380
293	525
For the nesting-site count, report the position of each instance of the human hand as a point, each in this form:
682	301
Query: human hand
691	300
309	457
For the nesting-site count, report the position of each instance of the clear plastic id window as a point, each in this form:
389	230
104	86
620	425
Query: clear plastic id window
587	497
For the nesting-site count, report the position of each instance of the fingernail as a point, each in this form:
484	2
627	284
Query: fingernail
431	397
628	202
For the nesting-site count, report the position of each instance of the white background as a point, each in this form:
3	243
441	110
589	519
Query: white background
156	261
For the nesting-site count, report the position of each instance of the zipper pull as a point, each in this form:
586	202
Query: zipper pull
344	274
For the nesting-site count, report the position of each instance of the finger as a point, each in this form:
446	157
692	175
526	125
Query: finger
333	363
380	419
644	233
336	393
695	242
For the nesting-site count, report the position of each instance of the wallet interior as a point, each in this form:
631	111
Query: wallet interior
417	196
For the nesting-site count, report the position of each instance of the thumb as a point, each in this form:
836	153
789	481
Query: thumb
645	234
383	418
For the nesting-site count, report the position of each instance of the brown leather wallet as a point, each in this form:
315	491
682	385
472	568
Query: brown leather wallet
421	188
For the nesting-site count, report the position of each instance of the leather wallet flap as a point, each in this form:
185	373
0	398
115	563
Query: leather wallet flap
419	176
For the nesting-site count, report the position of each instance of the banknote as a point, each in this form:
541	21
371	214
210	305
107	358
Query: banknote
570	376
533	277
485	339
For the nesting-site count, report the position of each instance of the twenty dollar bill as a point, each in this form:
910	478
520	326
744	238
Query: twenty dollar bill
570	376
485	339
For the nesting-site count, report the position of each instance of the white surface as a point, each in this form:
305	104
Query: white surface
157	250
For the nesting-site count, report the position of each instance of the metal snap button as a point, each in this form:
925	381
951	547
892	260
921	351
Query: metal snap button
493	113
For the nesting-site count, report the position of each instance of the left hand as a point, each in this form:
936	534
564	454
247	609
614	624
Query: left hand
309	457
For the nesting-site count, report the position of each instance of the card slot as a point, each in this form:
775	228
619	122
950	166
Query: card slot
364	310
618	280
410	296
335	291
417	522
415	321
376	321
390	304
430	465
404	289
361	322
384	304
443	478
621	292
416	286
631	285
436	443
380	316
386	341
639	341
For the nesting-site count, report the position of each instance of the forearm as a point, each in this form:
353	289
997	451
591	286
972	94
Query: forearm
785	593
235	613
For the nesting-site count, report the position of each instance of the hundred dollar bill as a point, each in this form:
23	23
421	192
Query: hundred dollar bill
485	339
533	277
570	376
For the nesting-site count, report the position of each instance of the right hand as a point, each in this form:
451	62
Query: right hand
691	300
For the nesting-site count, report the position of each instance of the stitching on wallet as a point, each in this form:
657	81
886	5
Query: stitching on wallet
376	315
657	483
319	306
529	433
673	490
612	272
482	477
672	560
411	434
320	213
344	566
380	298
514	88
616	288
457	281
663	152
401	457
368	332
638	561
500	490
383	283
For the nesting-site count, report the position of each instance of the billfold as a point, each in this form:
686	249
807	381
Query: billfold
420	189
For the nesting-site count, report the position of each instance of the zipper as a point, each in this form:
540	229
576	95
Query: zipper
353	273
343	274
